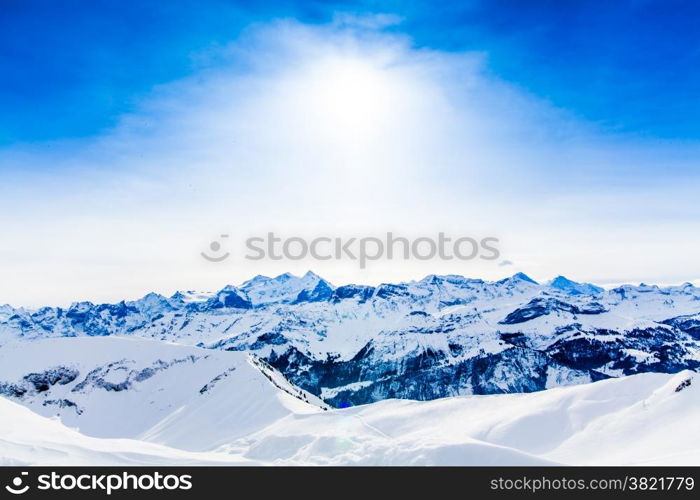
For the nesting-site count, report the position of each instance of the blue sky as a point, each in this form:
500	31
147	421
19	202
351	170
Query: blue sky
130	137
71	68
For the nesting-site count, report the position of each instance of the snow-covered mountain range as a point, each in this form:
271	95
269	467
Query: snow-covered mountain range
263	373
437	337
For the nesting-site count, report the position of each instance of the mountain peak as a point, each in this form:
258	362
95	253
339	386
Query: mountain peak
152	303
573	287
287	288
230	296
310	275
562	281
523	277
258	278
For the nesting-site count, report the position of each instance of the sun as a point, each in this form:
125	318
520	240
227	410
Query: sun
350	99
351	92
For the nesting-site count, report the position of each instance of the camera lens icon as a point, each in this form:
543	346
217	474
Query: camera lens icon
215	248
16	487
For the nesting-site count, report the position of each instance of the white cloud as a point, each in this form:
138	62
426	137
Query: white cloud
344	130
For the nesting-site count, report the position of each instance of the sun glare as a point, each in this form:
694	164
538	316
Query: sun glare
350	98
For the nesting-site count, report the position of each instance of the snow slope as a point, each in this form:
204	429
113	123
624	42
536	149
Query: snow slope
122	387
640	419
30	439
